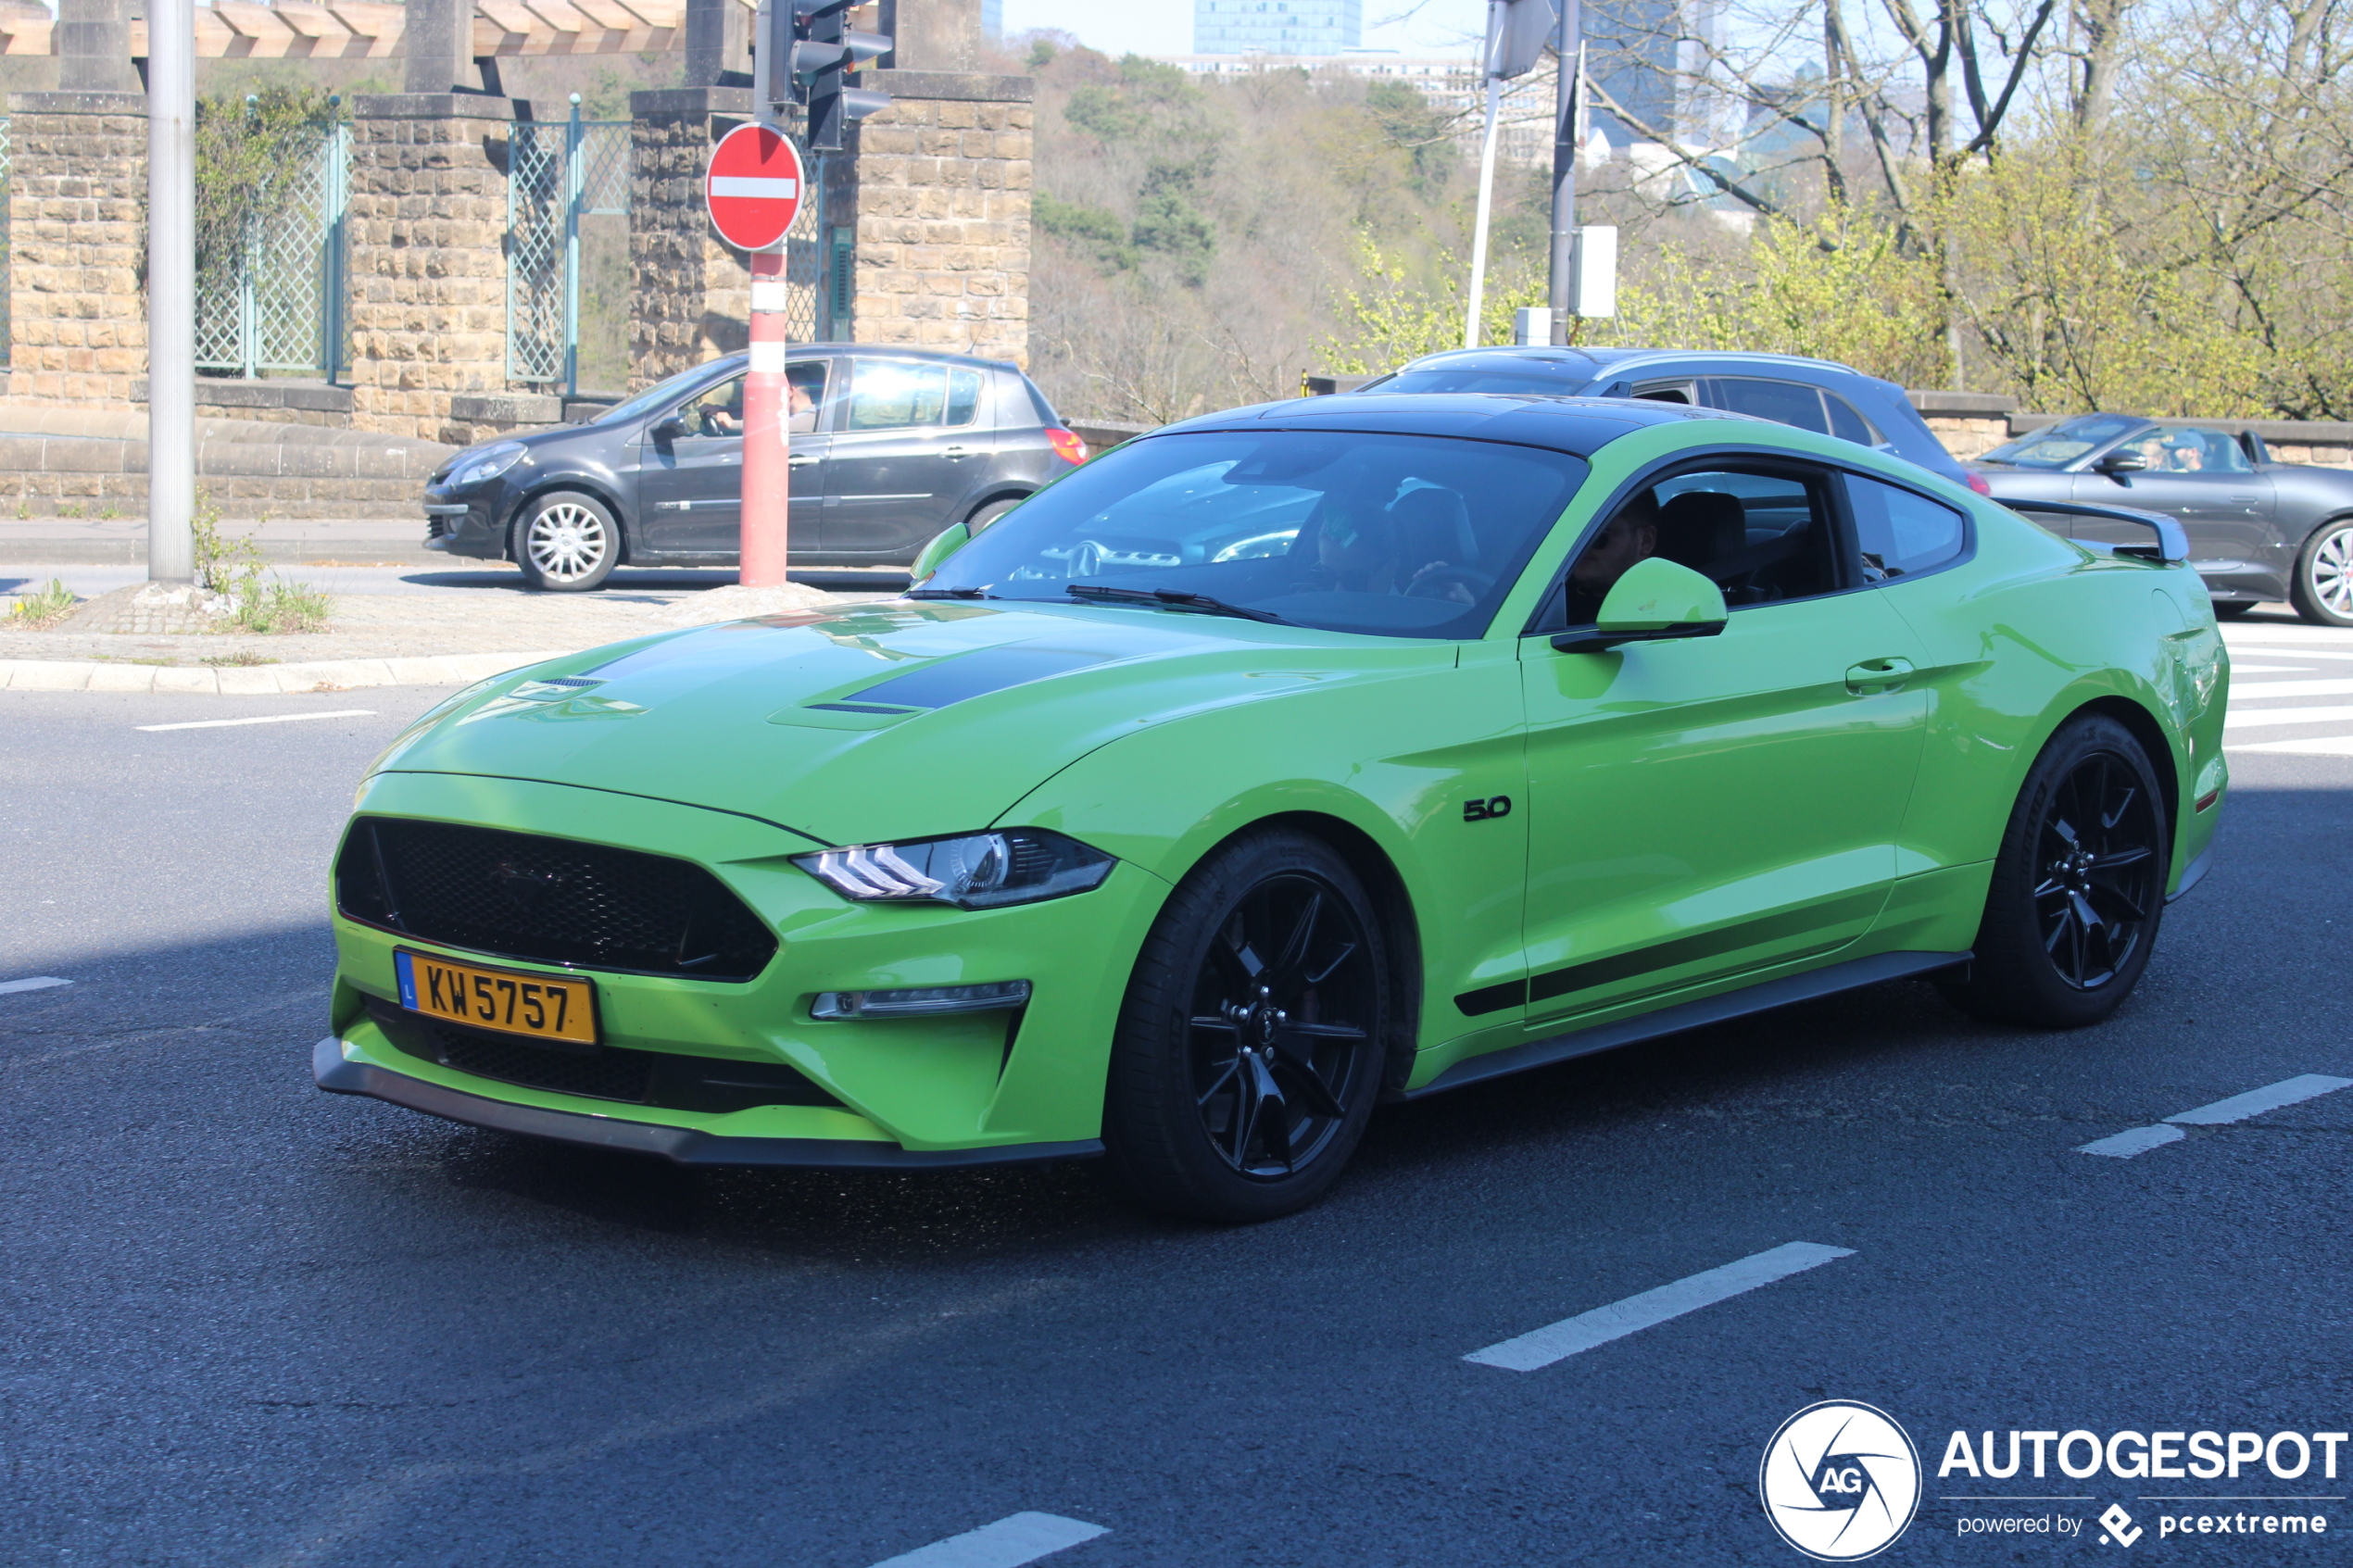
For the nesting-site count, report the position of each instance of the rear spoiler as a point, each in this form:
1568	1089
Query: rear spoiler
2171	545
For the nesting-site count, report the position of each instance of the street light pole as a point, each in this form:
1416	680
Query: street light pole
171	289
1570	59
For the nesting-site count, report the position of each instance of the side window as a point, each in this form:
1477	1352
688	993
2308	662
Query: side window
1846	424
718	412
2176	449
1901	534
963	396
1665	391
893	395
804	395
1782	402
1763	536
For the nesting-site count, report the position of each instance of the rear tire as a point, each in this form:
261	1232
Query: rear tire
2321	586
1250	1045
2079	886
989	512
566	542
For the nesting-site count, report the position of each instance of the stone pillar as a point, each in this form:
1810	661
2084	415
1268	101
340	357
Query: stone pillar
438	46
77	196
941	214
718	40
93	47
428	231
932	34
691	295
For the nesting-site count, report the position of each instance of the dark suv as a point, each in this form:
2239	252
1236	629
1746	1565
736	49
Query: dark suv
1815	394
889	447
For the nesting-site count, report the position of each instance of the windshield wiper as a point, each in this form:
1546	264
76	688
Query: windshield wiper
947	594
1170	598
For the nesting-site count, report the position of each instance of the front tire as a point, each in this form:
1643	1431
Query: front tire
566	542
2079	887
1250	1045
2322	588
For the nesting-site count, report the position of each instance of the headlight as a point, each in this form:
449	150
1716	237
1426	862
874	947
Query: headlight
977	870
488	463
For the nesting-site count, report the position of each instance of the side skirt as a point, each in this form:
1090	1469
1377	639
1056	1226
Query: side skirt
1825	981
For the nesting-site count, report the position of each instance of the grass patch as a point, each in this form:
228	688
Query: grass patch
243	656
234	567
43	608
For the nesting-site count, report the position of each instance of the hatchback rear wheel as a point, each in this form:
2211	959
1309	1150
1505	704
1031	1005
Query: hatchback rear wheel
1251	1044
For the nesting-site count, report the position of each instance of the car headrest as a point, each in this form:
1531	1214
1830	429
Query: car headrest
1436	523
1700	526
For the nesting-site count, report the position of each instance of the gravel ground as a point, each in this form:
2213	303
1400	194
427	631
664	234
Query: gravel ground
396	613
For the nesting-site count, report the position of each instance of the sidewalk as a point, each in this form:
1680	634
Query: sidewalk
390	627
57	541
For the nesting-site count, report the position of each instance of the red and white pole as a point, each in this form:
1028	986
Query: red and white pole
767	504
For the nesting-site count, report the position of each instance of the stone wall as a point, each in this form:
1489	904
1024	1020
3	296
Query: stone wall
942	214
92	463
77	305
428	230
692	294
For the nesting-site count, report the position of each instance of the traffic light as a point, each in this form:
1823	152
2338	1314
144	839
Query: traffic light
818	49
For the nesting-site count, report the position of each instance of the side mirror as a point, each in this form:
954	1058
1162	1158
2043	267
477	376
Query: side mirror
1656	601
668	431
2124	459
946	543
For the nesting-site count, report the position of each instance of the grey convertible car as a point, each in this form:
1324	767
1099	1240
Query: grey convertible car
889	447
2259	530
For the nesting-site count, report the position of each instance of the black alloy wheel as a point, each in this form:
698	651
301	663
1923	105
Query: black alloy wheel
2079	887
1282	1018
1251	1043
2099	854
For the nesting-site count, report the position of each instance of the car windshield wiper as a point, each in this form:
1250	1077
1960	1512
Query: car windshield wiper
947	594
1170	598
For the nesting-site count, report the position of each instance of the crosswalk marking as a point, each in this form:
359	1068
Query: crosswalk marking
2276	713
2256	717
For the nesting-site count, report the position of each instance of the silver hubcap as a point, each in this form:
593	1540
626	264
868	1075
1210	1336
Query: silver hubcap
2332	572
567	542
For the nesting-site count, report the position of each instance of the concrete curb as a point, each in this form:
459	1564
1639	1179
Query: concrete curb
261	680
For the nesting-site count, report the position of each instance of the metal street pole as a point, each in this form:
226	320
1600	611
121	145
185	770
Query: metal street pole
1569	59
171	289
1488	67
765	518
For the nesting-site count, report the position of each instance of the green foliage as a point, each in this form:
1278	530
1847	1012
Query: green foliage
1149	96
1167	220
221	563
1405	120
1041	54
1093	230
43	608
250	159
280	606
234	567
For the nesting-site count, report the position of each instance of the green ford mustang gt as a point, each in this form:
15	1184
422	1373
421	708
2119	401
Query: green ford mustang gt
1275	764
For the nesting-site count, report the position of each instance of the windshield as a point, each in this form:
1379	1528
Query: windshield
1393	535
2063	443
1472	378
655	397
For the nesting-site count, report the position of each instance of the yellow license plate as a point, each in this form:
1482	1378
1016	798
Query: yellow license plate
538	1006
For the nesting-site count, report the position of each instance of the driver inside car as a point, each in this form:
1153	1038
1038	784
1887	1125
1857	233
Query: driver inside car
1631	535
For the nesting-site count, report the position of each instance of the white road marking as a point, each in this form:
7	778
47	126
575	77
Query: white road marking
2137	1140
1009	1543
2251	691
268	718
38	983
2237	669
2318	745
2238	1108
1559	1341
2274	650
2255	1102
2336	714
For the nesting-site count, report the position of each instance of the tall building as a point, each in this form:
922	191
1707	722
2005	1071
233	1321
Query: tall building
1276	27
992	19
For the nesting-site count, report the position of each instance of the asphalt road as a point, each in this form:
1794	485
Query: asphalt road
249	1323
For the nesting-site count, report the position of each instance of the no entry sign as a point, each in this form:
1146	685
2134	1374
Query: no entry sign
754	187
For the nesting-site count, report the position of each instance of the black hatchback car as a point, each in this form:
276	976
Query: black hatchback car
889	447
1815	394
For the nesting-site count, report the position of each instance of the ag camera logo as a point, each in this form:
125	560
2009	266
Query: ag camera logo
1840	1481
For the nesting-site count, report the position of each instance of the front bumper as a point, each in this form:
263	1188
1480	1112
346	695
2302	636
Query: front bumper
467	525
338	1070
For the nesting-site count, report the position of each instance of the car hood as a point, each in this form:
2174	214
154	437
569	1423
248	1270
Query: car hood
893	720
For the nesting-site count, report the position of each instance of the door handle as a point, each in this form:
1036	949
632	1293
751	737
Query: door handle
796	462
956	452
1877	675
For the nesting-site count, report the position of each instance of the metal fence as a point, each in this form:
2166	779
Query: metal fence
282	304
560	173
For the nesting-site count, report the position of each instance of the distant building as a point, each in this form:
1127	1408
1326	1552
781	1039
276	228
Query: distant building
992	19
1276	27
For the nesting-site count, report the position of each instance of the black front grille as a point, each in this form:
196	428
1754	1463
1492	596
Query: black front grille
660	1079
551	901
